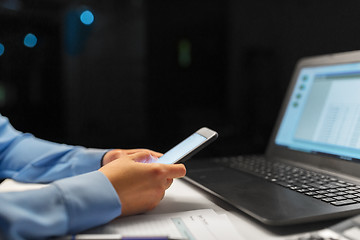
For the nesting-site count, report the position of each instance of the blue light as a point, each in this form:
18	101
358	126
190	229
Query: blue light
87	17
30	40
2	49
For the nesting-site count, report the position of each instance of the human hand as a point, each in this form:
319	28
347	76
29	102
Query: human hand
118	153
140	186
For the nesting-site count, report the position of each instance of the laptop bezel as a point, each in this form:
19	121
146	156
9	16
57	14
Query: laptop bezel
328	163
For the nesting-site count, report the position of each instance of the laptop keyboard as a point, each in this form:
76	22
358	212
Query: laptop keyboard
320	186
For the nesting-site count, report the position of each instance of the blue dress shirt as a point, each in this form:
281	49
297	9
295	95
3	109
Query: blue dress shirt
81	199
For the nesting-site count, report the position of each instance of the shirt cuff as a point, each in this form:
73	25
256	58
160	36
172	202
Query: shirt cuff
90	200
88	160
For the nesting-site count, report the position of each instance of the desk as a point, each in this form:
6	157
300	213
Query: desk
184	196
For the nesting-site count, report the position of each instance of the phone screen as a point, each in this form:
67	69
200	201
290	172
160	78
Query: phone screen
183	148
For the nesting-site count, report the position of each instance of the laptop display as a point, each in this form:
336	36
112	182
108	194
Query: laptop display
323	113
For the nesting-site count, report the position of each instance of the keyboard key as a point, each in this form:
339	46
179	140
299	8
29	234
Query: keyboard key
340	184
343	202
330	195
315	185
350	196
321	191
328	199
302	190
330	185
319	196
341	193
339	198
351	192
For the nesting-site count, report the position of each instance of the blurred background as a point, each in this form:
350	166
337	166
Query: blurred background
137	73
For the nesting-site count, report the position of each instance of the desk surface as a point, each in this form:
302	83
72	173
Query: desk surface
183	196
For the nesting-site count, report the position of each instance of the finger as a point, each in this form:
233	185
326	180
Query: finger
143	157
168	183
175	170
132	151
156	154
163	195
112	155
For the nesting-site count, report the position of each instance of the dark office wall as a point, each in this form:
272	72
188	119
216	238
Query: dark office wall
80	84
30	78
148	73
266	38
186	68
104	74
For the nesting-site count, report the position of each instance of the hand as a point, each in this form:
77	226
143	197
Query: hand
118	153
140	186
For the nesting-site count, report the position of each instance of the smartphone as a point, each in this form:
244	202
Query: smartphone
188	147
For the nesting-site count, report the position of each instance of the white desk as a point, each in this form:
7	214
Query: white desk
183	196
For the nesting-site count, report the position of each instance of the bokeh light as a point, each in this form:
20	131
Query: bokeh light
30	40
2	49
87	17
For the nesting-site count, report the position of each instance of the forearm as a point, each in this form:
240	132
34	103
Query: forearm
35	160
24	157
67	206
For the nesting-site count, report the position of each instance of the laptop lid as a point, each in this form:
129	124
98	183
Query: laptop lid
319	124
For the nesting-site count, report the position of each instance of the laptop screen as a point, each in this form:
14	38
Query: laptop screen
323	113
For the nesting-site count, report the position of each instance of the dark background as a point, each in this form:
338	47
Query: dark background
148	73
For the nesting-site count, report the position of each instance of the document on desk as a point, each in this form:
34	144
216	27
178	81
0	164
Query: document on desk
191	225
9	185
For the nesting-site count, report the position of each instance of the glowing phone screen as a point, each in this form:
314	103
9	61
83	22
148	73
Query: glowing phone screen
182	149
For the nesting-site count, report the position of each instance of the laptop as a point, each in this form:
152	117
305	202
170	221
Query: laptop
311	169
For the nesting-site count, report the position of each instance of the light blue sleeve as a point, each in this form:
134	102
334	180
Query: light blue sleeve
64	207
26	158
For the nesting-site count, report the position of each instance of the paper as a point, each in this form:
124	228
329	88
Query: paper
9	185
191	225
353	233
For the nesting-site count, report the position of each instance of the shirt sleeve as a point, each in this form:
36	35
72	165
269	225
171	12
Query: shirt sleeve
64	207
26	158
